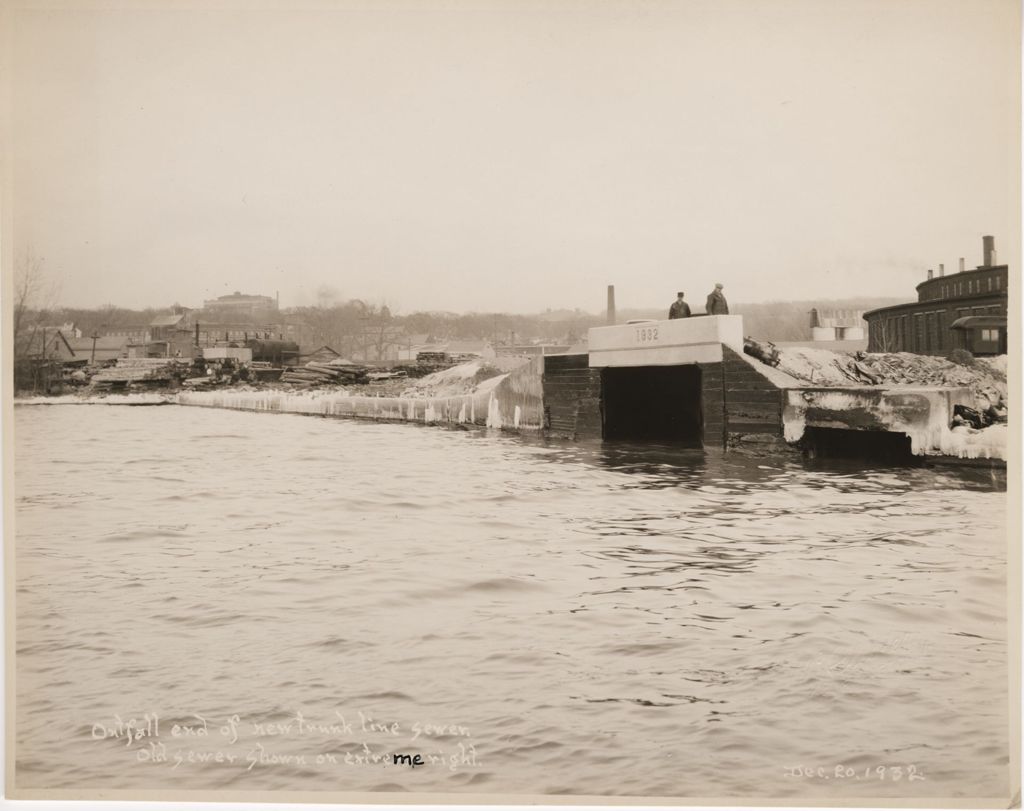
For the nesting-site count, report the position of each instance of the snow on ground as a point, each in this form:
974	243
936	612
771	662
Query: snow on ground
818	366
92	398
968	443
476	375
997	364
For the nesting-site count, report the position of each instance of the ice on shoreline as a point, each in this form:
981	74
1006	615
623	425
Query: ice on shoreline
468	392
135	398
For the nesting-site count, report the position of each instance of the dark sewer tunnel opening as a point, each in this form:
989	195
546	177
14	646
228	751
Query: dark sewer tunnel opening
877	446
653	403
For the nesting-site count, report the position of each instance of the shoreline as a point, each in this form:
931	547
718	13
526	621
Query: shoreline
511	395
481	409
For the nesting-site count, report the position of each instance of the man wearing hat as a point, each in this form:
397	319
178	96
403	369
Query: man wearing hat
717	305
679	308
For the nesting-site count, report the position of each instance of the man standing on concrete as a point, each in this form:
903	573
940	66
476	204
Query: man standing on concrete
717	305
679	308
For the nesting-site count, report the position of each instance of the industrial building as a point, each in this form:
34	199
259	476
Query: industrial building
964	310
240	306
837	325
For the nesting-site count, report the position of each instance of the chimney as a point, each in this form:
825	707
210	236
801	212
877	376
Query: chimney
610	320
942	270
961	264
989	250
930	273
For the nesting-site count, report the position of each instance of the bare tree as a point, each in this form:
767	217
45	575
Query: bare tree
27	279
379	331
34	297
882	336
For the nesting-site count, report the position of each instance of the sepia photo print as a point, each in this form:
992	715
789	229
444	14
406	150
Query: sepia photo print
485	401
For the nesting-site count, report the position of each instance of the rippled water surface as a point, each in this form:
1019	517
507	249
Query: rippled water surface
528	618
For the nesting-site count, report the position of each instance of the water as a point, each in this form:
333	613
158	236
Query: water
528	618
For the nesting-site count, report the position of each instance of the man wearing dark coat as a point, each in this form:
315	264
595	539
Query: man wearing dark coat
679	308
717	305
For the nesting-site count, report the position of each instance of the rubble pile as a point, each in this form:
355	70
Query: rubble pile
978	432
986	377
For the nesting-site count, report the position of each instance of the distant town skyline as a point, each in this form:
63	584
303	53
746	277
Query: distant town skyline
61	306
510	157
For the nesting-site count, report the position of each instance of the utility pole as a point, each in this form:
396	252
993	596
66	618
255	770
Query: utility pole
364	335
44	368
94	336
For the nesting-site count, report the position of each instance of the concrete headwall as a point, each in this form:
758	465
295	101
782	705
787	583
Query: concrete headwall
923	414
739	406
512	401
665	343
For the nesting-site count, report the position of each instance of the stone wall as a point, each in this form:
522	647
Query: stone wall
712	384
572	397
753	404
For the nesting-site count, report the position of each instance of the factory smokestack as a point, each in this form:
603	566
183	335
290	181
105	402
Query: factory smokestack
931	273
610	319
988	245
942	270
961	264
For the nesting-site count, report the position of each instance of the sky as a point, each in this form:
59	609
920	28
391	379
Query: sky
510	156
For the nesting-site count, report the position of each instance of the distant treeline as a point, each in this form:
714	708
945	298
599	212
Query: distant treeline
341	325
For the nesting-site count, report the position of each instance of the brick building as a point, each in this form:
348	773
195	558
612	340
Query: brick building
942	318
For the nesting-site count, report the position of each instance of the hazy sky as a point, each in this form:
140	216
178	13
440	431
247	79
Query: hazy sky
512	155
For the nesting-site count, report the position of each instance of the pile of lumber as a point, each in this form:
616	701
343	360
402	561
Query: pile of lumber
141	370
319	374
434	360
